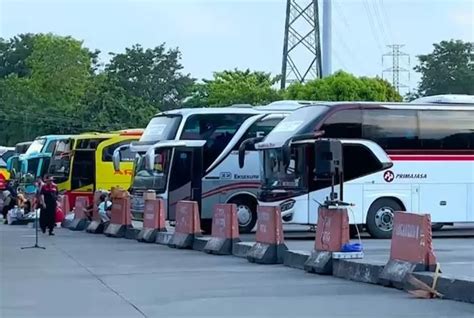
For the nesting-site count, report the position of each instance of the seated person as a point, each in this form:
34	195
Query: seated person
88	212
105	206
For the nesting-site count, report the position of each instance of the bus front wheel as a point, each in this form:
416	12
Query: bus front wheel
246	212
380	218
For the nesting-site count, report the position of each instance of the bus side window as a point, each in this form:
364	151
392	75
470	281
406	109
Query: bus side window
258	129
391	128
125	154
446	129
51	146
358	162
343	124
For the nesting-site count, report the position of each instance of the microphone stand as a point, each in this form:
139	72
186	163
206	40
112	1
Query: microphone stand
36	234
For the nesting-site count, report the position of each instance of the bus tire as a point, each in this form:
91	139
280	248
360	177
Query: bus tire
380	217
246	212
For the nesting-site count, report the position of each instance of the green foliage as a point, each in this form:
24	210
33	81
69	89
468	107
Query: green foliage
342	86
60	70
153	75
449	69
51	84
108	106
14	53
235	87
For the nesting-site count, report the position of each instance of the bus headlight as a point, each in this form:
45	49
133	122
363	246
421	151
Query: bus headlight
287	205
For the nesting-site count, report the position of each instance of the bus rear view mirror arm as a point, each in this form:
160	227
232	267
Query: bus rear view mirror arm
116	157
286	148
243	146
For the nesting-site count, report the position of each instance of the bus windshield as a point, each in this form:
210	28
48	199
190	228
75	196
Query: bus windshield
61	160
156	179
295	123
36	146
278	175
161	128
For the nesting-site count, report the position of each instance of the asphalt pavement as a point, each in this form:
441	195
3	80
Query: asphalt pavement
87	275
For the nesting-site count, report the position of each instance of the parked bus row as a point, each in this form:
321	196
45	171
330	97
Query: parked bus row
193	154
416	156
79	164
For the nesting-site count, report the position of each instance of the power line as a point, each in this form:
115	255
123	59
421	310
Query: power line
380	21
372	26
386	18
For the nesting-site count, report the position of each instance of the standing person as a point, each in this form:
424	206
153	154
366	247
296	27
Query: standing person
48	201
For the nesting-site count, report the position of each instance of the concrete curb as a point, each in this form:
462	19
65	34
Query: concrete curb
241	249
452	288
295	259
131	233
357	271
199	243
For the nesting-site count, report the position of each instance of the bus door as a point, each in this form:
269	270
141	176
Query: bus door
83	170
185	172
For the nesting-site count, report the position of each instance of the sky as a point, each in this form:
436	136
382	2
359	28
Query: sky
214	35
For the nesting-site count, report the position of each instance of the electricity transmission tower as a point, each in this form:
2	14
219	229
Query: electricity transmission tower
396	69
301	45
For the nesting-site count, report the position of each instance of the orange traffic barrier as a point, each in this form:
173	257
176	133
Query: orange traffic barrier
411	248
332	233
121	218
225	230
270	246
66	208
153	220
80	221
188	225
96	226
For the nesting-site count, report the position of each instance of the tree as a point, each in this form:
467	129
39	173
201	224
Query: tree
109	107
153	75
235	87
342	86
449	69
14	53
60	69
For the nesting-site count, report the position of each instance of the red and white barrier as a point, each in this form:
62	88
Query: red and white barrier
411	248
332	232
80	221
188	225
270	246
121	218
153	220
225	230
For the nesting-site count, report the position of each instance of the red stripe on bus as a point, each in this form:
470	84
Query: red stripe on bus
231	187
432	157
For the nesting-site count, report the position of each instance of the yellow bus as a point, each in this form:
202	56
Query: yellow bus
83	163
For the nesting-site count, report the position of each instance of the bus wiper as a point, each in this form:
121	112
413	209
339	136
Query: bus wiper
243	146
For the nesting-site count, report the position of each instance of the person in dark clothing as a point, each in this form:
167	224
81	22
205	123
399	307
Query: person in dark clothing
8	204
48	200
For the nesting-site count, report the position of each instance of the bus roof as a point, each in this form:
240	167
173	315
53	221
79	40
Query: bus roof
393	105
446	99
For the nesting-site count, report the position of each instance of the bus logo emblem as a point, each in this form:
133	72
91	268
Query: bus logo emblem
388	176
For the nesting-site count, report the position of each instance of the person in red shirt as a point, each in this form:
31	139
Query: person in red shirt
48	202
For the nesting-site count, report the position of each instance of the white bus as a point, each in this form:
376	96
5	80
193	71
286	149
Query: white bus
430	143
191	154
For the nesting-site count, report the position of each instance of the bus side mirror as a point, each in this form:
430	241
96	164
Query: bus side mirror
243	146
117	158
150	159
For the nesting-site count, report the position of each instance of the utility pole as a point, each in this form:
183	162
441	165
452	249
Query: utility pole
396	69
301	45
327	37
